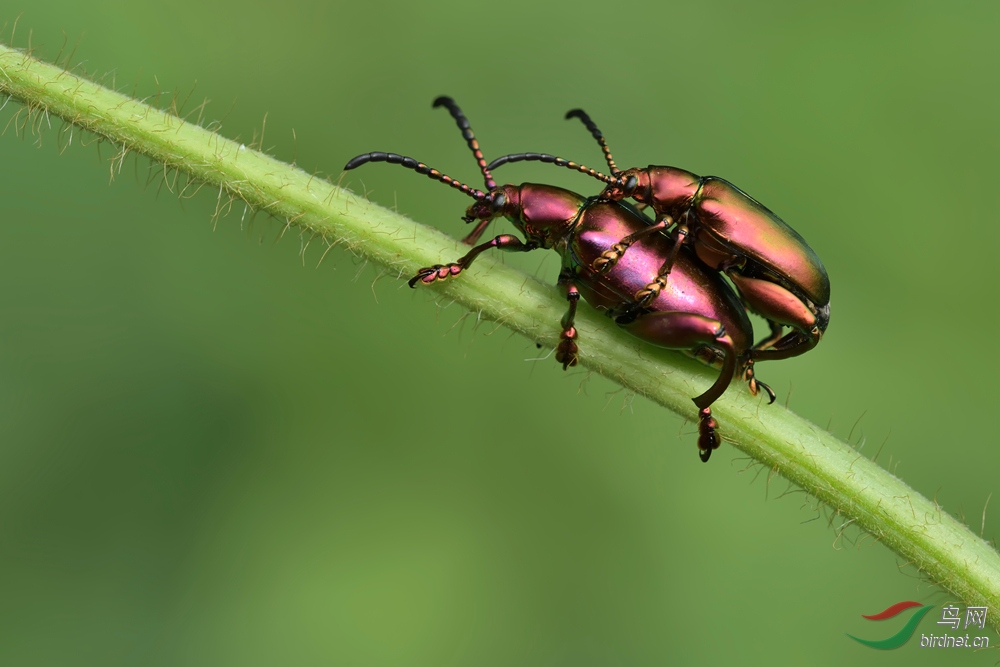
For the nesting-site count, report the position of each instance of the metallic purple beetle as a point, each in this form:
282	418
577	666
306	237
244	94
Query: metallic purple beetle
776	273
696	312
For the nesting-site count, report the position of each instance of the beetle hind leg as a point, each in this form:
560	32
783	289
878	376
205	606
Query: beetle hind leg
796	343
776	333
688	331
781	307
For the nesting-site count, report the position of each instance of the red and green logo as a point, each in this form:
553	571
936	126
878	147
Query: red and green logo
904	634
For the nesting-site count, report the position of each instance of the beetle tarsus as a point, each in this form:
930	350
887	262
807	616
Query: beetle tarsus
708	438
567	353
644	296
437	272
755	385
609	258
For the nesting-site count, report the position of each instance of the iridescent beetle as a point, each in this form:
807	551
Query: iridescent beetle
776	273
697	311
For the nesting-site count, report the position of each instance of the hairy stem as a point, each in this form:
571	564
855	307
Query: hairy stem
840	477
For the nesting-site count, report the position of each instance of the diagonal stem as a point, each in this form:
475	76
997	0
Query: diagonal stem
946	551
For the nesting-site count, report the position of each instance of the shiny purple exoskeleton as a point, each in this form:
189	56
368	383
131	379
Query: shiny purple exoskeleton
776	273
695	311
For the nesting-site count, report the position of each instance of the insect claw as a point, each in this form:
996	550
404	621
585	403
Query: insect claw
421	276
609	258
650	292
766	388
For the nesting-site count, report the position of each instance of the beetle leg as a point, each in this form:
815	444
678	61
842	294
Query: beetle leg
652	290
708	438
473	236
753	383
567	351
776	332
796	343
708	356
685	331
779	306
437	272
609	258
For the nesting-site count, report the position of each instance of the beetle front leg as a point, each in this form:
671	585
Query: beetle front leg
473	236
437	272
609	258
567	352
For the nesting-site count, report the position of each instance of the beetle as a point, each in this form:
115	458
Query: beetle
774	270
697	311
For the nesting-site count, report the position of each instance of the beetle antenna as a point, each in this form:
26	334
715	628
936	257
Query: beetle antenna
582	115
558	161
418	167
470	137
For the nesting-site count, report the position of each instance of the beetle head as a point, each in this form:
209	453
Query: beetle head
629	183
543	213
501	202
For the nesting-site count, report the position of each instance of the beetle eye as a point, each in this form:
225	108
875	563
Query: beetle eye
631	184
499	202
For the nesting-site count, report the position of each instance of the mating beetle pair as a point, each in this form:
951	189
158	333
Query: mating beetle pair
776	273
695	310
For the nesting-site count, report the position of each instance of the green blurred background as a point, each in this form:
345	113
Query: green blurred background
212	454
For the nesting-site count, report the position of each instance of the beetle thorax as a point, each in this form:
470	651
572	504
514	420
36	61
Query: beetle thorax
671	190
545	213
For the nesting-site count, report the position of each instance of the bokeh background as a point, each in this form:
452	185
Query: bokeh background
212	452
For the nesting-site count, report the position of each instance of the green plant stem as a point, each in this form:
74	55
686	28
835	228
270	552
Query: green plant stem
946	551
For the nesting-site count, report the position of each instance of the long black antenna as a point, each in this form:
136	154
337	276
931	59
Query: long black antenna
552	159
419	167
470	137
582	115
